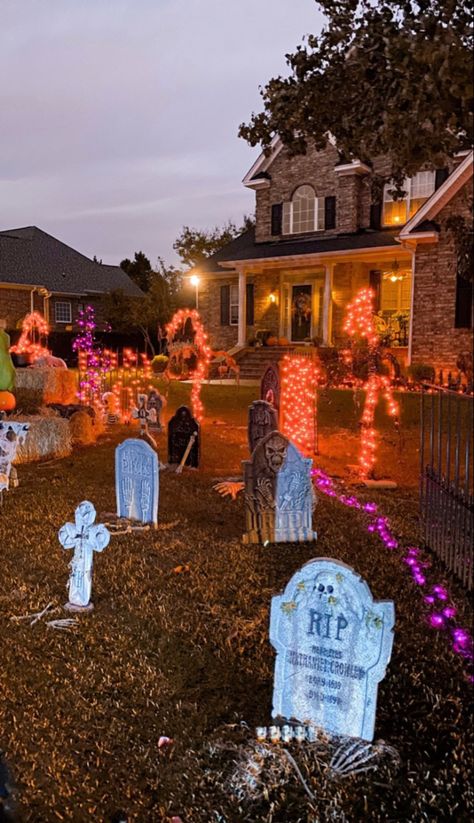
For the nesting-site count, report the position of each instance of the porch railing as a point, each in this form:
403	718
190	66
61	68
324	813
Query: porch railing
446	478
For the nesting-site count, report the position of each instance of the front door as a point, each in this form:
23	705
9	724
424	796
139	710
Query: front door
301	311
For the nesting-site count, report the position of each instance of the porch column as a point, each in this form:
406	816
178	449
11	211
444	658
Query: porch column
242	309
327	304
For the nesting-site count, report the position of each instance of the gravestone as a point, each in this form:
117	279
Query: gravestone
144	415
137	481
85	538
333	644
181	428
12	435
155	403
279	497
263	419
270	386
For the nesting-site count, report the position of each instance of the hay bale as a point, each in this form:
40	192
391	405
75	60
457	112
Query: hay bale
48	438
81	427
38	387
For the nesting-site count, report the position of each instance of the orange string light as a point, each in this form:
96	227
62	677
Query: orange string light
202	349
33	323
298	401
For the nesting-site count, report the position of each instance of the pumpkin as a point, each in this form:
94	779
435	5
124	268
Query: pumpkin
7	401
283	341
272	341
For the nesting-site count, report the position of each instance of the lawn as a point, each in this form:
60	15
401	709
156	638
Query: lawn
178	646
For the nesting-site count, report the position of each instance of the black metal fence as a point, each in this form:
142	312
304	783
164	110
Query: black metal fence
446	477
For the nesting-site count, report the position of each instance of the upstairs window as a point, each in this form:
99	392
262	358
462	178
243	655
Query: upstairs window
304	212
417	191
62	312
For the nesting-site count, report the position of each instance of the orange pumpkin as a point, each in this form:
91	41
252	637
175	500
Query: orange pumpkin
283	341
7	401
272	341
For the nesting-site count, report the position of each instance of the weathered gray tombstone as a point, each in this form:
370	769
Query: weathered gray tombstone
263	419
279	497
183	432
270	386
333	644
137	481
155	403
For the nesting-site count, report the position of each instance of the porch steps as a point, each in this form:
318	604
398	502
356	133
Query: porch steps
253	361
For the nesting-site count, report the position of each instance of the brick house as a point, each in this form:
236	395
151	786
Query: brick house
320	236
40	273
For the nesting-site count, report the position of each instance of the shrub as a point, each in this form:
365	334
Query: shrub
159	363
421	373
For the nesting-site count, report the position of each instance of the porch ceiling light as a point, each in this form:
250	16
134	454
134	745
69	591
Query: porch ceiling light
394	273
272	297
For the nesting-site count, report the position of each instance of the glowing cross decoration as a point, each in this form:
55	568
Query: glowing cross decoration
85	538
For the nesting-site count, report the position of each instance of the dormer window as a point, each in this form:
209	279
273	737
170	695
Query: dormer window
417	191
304	212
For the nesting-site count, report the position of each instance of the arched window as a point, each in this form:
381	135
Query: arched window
304	212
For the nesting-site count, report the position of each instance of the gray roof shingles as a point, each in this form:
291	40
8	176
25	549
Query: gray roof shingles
31	257
244	247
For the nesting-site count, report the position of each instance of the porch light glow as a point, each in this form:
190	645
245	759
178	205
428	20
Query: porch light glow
194	280
272	297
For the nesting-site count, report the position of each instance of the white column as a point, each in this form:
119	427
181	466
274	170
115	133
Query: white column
242	309
327	304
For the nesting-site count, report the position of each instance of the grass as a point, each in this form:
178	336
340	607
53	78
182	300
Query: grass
178	646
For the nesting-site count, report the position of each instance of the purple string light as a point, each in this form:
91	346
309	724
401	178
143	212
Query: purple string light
442	616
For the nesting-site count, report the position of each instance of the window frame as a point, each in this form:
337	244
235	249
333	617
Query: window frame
62	303
408	185
233	304
319	213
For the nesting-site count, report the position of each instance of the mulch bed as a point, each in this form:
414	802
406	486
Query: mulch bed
178	646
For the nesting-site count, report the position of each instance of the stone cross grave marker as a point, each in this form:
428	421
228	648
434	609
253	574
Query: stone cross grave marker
12	435
181	428
270	386
333	644
155	403
263	419
137	481
279	496
85	538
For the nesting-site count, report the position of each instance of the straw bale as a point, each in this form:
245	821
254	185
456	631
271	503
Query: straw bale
41	386
81	427
49	437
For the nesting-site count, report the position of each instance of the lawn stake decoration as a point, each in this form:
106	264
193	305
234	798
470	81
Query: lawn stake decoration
110	404
298	401
183	439
137	481
359	323
333	644
198	347
263	419
155	404
34	329
279	499
143	414
85	538
12	435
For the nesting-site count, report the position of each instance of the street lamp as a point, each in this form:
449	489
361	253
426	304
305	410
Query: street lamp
194	280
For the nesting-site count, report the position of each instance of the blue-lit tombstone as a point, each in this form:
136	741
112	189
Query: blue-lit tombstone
137	481
279	497
333	644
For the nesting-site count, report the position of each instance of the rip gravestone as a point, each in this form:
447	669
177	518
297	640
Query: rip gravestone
181	428
137	481
263	419
279	498
333	644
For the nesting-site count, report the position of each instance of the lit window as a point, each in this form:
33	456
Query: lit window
417	191
304	213
62	312
395	295
234	306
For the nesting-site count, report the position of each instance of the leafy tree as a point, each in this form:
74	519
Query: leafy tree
194	246
139	270
387	77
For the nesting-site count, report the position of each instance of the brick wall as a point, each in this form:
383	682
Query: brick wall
220	337
434	339
16	303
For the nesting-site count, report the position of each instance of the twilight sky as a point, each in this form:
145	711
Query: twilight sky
119	118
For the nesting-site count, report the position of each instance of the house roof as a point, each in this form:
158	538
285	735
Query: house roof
244	247
422	221
31	257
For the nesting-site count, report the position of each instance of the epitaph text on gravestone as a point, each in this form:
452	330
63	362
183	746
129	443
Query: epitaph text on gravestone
181	428
263	419
333	644
137	481
270	386
279	496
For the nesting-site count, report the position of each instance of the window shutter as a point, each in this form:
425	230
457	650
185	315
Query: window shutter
286	217
277	214
225	305
249	303
440	177
464	309
329	212
375	215
375	281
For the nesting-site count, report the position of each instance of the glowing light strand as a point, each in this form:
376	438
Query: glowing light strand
32	324
200	347
298	401
440	610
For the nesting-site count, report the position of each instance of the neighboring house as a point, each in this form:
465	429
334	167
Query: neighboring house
320	237
38	272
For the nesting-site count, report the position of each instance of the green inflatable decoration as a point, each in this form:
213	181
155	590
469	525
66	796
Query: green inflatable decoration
7	370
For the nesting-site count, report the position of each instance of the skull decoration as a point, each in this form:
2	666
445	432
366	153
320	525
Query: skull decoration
275	452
